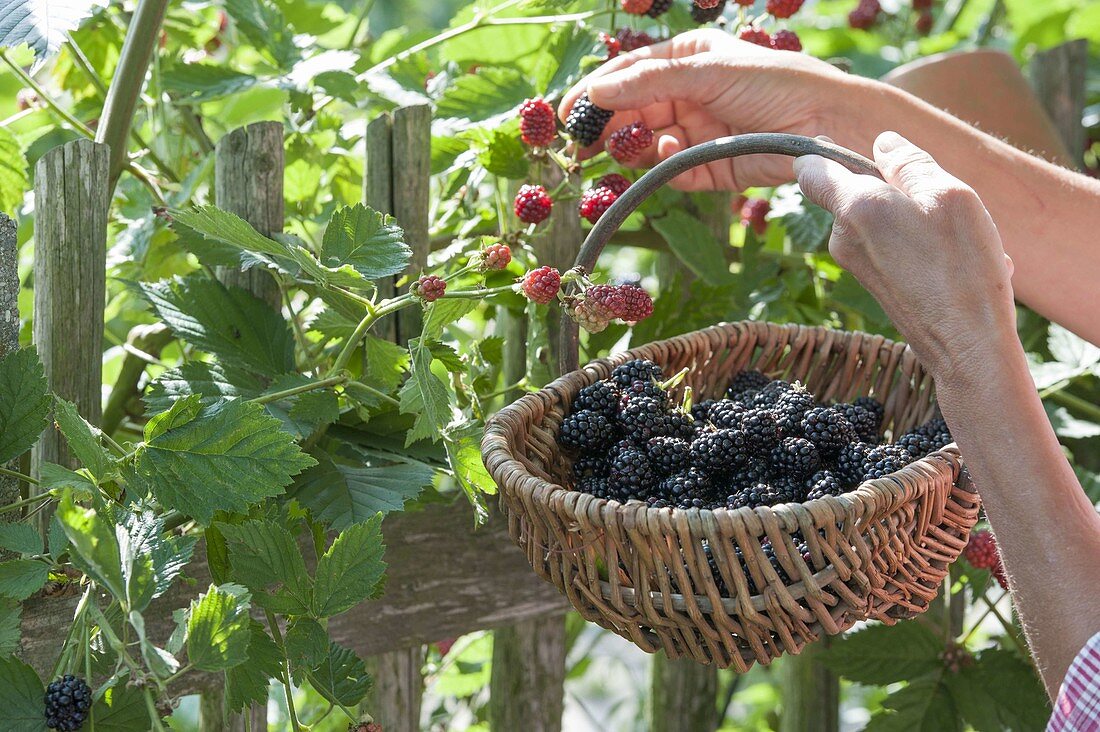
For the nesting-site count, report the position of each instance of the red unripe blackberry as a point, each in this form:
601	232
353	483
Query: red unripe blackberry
538	125
586	121
709	14
981	550
589	315
924	22
755	35
532	204
745	3
613	44
659	8
541	285
636	7
615	182
865	14
754	213
632	40
786	40
783	8
1000	576
922	4
496	256
429	288
444	646
626	143
595	201
707	4
625	302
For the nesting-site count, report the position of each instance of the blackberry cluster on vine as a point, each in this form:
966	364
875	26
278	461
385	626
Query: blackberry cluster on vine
767	442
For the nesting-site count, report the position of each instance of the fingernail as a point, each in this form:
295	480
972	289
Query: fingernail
605	91
888	141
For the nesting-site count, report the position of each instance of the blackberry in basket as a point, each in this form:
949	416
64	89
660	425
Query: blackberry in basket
746	384
637	370
602	397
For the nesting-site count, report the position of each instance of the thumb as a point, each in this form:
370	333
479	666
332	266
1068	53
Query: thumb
654	80
909	168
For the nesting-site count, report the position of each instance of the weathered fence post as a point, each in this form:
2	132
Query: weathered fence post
397	179
70	269
248	181
809	691
1058	76
9	332
527	686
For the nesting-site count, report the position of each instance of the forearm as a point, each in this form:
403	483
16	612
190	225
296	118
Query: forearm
1047	530
1048	217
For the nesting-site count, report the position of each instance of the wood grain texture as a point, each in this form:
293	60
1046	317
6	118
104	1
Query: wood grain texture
378	194
1058	76
682	696
810	693
412	170
70	258
526	691
9	333
444	578
248	180
398	689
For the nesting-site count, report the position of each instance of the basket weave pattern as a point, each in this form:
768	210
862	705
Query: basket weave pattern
878	552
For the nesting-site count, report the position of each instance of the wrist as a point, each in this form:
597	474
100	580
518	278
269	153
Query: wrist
880	107
988	366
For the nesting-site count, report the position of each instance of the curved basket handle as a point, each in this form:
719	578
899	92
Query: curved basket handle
724	147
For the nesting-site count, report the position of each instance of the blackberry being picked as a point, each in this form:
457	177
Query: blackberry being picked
823	483
710	14
795	457
746	381
602	397
827	428
886	459
641	419
631	475
586	122
720	451
67	702
587	431
761	429
637	370
668	455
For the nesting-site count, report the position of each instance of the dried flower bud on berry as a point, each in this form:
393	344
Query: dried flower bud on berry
495	256
783	8
628	142
541	285
429	288
754	213
636	7
755	35
538	124
632	40
785	40
532	204
595	201
612	44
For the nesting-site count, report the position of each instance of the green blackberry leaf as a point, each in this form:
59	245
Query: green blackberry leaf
306	645
121	709
266	559
57	478
341	678
11	613
351	570
808	227
425	396
21	694
386	363
231	455
371	243
180	413
199	82
24	402
883	654
13	171
20	538
924	705
95	549
999	691
248	683
21	578
491	91
210	381
83	438
264	24
695	245
218	628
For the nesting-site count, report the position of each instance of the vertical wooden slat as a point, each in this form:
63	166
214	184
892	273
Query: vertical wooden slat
1058	76
248	180
398	174
9	332
70	260
412	170
526	691
682	695
810	693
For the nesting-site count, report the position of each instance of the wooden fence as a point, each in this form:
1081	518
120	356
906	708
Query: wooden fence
444	577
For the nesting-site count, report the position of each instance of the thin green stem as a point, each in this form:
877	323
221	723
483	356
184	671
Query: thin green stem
1009	630
364	12
25	502
151	705
385	308
78	618
977	626
17	475
114	445
479	293
86	66
277	634
1076	403
294	391
76	124
375	392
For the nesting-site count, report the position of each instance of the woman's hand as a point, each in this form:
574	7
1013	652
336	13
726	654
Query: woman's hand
924	245
705	84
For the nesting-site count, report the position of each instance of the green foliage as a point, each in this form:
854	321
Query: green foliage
24	402
218	628
21	697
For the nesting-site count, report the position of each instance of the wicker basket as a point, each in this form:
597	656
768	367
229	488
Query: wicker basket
878	552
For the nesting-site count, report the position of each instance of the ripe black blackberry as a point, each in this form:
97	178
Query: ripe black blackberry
917	443
678	423
687	489
795	457
769	394
726	414
596	485
851	464
864	421
647	388
789	408
755	469
641	419
587	431
659	8
637	370
823	483
784	490
875	407
884	460
701	410
655	502
827	428
746	381
720	451
668	454
602	397
707	15
761	429
67	702
586	121
631	475
590	465
751	497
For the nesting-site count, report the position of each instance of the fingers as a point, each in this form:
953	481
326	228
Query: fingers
911	169
833	187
